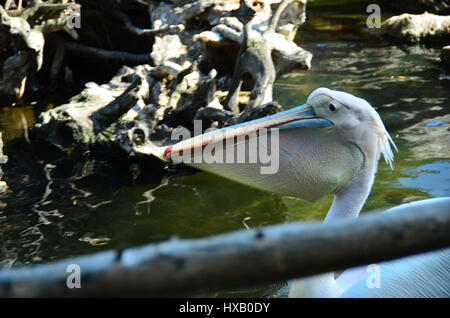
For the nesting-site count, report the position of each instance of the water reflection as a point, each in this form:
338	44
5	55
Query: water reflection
432	177
429	138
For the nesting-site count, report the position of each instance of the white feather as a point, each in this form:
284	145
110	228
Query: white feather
361	106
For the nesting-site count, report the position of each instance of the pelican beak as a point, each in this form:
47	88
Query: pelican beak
298	117
297	161
301	116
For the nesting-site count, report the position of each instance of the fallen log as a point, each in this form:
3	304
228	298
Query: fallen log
239	259
418	27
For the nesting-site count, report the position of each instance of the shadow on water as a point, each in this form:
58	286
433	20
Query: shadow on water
62	207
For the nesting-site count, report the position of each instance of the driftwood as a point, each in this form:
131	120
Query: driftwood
93	111
24	38
236	260
258	44
180	80
418	27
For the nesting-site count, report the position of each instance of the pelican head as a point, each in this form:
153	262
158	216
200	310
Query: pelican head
355	120
316	149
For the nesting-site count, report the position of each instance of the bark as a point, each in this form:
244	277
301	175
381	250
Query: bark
266	52
240	259
90	114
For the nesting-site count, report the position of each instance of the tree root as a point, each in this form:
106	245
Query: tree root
138	109
25	39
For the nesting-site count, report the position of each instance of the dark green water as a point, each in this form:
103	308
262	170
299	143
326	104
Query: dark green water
62	208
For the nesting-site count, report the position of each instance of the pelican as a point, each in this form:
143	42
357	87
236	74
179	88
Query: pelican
331	144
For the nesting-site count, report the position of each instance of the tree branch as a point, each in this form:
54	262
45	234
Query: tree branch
241	259
145	32
105	54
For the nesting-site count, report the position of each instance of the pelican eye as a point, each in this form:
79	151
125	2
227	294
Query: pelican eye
332	107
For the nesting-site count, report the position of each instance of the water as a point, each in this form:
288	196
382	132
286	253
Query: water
61	208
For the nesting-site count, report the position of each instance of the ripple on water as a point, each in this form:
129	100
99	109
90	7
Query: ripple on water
433	178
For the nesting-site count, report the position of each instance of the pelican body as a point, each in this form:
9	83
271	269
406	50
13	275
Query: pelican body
330	145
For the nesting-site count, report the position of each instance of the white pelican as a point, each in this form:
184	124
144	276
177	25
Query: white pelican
331	144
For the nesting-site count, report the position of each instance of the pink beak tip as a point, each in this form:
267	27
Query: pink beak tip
166	152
